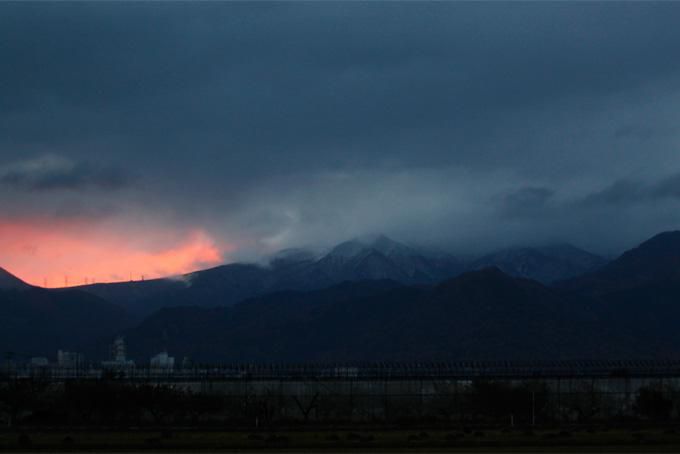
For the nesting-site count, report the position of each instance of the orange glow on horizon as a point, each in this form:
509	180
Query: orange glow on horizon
69	253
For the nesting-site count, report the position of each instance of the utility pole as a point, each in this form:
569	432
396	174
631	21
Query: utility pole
533	408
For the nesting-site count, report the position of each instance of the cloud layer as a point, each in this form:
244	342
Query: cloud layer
464	125
50	173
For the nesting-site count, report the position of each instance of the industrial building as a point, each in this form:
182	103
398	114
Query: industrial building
118	356
162	362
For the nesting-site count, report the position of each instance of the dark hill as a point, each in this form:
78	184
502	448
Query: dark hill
37	322
127	294
282	326
10	281
655	260
480	315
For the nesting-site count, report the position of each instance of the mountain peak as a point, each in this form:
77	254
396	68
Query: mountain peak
545	264
378	256
389	247
348	249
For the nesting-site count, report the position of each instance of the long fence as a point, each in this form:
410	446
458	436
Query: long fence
508	392
364	370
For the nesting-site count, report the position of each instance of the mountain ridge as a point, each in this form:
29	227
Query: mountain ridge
482	314
546	264
478	314
655	259
363	258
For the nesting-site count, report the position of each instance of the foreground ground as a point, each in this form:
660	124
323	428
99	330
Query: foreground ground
666	439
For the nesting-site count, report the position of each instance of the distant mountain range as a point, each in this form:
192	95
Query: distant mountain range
374	257
546	264
484	314
373	298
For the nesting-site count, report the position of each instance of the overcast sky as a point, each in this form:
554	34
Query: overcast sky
242	128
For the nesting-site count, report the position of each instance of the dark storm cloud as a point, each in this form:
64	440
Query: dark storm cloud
629	192
620	192
49	173
305	75
527	201
668	187
468	123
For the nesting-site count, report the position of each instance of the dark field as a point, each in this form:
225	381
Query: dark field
633	439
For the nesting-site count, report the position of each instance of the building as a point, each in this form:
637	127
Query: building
118	354
119	350
187	363
39	361
69	360
163	362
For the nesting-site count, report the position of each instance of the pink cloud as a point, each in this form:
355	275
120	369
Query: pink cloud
56	251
